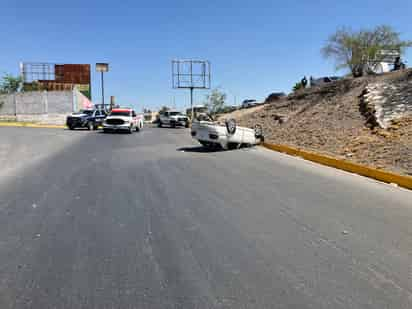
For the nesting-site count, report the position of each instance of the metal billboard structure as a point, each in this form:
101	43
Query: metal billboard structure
56	76
191	74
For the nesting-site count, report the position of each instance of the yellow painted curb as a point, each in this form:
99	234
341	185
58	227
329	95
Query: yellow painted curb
403	181
30	125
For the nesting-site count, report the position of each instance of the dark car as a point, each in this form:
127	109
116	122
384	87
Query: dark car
323	80
275	96
89	119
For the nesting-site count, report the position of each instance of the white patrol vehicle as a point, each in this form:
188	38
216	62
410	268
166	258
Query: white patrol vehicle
173	119
123	119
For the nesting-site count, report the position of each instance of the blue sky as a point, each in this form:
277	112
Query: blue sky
255	47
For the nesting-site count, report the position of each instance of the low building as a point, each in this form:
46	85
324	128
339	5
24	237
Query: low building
150	116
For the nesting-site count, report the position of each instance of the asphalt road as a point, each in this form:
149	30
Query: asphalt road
149	220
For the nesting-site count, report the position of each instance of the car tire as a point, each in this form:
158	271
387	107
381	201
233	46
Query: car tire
95	127
159	124
71	127
138	127
130	130
90	126
186	124
173	125
258	131
231	126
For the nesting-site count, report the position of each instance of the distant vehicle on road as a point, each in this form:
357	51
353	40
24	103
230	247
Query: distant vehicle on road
86	118
248	103
173	119
197	109
212	134
123	119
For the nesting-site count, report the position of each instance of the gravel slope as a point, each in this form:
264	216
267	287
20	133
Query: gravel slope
328	119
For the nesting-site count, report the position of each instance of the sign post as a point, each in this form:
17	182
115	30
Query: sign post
102	68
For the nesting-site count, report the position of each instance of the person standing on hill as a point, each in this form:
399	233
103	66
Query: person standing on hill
304	82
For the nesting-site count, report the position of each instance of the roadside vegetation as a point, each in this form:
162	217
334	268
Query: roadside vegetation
215	101
332	117
359	50
10	84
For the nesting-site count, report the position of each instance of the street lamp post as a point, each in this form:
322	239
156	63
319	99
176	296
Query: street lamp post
102	68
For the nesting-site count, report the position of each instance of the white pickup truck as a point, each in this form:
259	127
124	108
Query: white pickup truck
226	134
173	119
123	119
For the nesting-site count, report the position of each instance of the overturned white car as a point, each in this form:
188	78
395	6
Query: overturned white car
212	134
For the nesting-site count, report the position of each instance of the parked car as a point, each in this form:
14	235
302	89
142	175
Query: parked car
323	80
227	109
248	103
275	96
197	109
173	119
227	135
86	118
123	119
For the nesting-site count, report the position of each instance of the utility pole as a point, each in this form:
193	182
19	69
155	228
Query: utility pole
112	102
192	115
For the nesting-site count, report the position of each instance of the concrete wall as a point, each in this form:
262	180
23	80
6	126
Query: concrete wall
7	106
50	107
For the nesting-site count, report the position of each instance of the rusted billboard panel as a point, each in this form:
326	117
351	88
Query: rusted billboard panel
72	73
50	76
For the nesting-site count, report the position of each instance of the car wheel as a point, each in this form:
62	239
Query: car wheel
173	125
231	126
138	127
90	126
258	131
95	127
71	127
130	130
186	124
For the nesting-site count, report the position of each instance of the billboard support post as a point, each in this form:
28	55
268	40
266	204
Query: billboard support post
191	102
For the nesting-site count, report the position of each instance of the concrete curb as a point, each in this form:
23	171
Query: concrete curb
30	125
403	181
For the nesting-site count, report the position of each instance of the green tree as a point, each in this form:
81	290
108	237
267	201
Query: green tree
10	84
215	101
359	50
297	86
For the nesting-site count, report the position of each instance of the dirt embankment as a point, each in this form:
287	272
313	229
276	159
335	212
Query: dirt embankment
329	119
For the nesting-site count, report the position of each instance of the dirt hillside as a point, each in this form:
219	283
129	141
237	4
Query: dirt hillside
329	119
